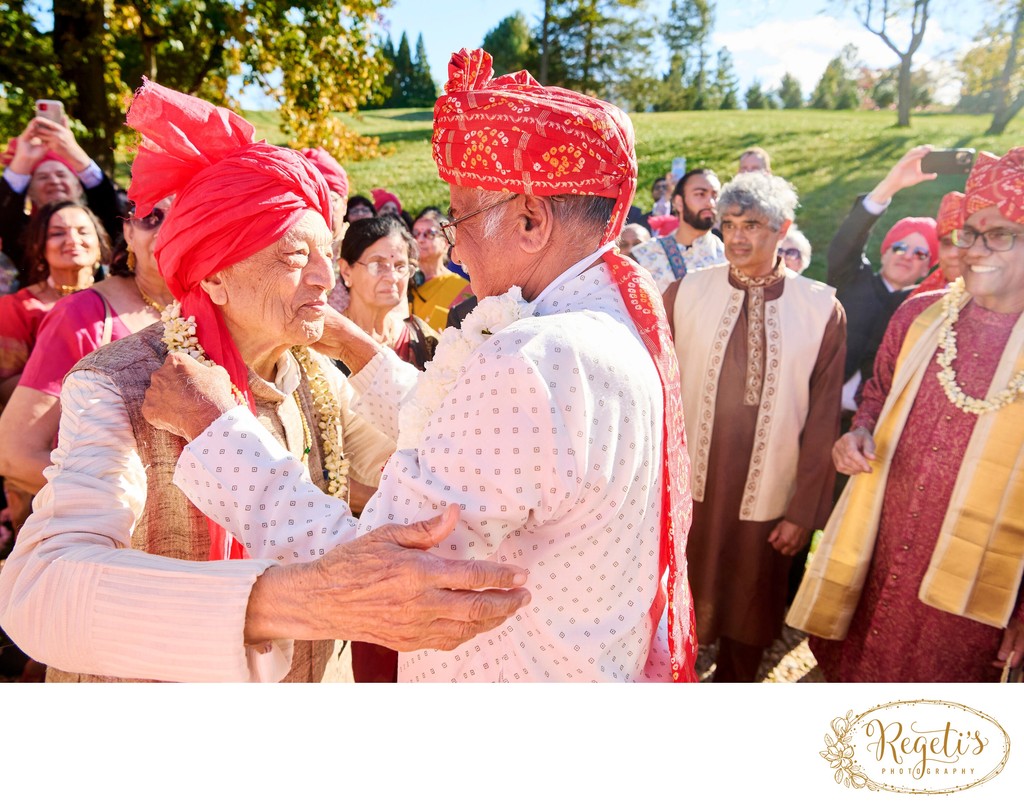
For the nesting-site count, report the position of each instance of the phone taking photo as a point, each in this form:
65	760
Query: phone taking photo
948	161
50	109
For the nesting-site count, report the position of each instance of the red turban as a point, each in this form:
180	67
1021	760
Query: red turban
951	214
381	196
337	179
514	134
997	181
232	198
923	225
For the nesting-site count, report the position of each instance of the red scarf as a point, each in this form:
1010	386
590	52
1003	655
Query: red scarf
646	308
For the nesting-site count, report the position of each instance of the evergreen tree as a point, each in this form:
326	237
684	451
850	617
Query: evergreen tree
837	89
402	80
790	93
512	45
726	87
755	97
687	32
422	90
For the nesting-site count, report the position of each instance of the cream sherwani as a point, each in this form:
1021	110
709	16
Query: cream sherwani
550	443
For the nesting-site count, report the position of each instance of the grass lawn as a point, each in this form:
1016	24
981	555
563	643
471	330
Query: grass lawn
830	157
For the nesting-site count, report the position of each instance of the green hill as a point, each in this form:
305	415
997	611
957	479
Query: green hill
829	156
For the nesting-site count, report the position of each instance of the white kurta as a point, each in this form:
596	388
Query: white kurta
551	444
74	594
706	251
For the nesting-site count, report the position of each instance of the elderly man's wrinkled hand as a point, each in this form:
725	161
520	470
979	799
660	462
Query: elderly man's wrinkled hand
388	588
852	453
185	396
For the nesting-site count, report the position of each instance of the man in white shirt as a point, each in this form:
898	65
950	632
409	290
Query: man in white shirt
547	418
693	246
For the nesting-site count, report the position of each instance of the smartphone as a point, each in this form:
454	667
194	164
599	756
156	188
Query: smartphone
50	109
948	161
678	169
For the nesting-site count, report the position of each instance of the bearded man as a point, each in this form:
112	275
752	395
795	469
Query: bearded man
693	246
760	352
116	574
918	575
552	418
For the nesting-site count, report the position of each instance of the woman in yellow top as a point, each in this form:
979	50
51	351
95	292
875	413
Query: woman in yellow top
434	289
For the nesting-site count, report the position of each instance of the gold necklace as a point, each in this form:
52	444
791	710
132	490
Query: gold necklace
65	289
149	301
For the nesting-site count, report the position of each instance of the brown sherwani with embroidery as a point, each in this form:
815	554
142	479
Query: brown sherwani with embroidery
739	581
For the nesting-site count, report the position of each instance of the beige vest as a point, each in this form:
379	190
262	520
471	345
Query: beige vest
706	310
170	525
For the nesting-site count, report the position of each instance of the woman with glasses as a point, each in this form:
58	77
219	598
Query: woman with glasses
795	250
909	250
435	288
131	299
377	257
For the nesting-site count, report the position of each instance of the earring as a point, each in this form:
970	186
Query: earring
130	261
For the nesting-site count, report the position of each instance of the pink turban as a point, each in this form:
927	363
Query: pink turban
382	196
232	198
513	134
951	214
999	182
337	179
923	225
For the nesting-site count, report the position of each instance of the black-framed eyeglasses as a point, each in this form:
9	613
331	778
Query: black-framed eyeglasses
920	253
376	268
151	221
999	240
448	228
792	253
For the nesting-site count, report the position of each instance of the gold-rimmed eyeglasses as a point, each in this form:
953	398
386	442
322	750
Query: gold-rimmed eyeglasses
448	228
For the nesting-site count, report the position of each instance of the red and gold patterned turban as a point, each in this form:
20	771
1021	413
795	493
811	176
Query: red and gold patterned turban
513	134
997	181
336	176
951	214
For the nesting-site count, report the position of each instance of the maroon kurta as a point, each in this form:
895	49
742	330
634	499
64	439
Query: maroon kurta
739	581
893	636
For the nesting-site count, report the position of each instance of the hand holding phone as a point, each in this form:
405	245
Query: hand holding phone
948	161
50	109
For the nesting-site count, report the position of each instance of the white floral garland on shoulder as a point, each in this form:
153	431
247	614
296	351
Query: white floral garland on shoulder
454	349
951	305
180	337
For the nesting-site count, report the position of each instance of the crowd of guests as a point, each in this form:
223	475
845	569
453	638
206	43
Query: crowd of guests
785	383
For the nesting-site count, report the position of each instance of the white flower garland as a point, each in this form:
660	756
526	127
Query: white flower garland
180	337
951	305
454	349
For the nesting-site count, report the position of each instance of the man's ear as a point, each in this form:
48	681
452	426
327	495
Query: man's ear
214	286
535	223
677	204
784	229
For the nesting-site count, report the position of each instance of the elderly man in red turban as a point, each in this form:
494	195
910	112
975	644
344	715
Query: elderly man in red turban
553	417
110	577
949	218
918	577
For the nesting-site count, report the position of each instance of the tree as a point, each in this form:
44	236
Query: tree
880	17
312	57
837	89
755	97
512	45
599	47
790	93
1006	105
687	33
725	87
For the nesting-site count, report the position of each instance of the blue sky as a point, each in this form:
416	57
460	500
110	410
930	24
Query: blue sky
765	41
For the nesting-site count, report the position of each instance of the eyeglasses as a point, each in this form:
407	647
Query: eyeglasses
448	228
151	221
791	253
996	241
433	233
377	268
899	248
